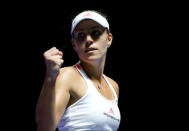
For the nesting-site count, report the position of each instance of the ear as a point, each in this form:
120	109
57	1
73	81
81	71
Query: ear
110	38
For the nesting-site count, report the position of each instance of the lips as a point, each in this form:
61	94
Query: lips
90	50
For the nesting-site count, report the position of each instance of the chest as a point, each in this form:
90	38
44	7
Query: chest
80	89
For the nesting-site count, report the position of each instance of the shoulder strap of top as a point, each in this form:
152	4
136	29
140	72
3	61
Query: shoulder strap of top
112	88
79	68
82	72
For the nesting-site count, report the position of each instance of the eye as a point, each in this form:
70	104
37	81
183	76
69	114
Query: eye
96	33
81	36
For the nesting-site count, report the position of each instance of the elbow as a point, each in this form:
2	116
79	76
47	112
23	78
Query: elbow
44	124
39	122
41	126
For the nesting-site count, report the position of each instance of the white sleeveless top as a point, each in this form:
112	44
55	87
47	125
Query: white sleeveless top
92	112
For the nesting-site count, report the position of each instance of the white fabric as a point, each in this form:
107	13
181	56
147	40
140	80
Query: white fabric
92	112
89	15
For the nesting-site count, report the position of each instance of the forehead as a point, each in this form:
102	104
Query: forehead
87	24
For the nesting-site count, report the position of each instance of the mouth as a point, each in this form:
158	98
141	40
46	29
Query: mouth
90	50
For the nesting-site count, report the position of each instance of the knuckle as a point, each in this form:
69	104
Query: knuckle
45	54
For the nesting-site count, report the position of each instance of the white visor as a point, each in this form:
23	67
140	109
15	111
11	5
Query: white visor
89	15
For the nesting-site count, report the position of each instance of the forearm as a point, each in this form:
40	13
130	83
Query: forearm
45	111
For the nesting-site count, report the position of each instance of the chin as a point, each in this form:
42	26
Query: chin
91	59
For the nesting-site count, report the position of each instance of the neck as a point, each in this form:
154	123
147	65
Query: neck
94	69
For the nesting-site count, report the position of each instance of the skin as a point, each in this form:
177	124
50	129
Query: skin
59	91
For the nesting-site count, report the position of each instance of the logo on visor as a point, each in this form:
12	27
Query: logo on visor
87	15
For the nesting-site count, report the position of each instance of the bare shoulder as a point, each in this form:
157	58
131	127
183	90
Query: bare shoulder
66	76
68	69
114	84
70	79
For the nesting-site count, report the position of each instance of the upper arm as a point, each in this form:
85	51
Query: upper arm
63	86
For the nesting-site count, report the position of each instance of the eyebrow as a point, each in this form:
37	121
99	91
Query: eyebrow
95	27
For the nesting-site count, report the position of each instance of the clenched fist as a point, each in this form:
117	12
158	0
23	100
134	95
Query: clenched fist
53	60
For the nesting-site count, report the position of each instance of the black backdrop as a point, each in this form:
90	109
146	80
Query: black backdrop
137	59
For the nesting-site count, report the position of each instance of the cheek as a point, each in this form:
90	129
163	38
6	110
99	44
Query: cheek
79	50
104	43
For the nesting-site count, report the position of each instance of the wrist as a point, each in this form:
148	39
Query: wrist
50	77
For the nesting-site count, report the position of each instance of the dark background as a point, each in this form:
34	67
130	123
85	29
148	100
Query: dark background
138	59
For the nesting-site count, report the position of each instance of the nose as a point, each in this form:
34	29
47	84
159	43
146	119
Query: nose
89	40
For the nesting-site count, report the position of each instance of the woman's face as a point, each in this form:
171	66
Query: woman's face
91	40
